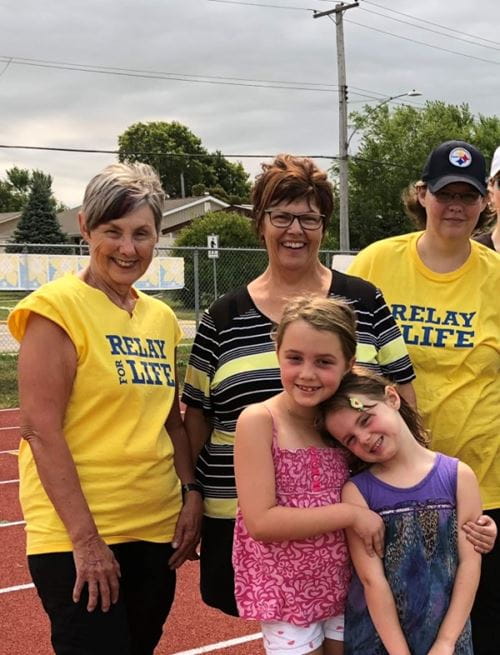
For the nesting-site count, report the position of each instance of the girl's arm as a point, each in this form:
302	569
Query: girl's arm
255	481
469	566
188	527
378	594
47	367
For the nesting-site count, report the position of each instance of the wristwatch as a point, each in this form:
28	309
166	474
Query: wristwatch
191	486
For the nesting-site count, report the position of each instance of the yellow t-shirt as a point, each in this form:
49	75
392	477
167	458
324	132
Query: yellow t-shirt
114	423
451	326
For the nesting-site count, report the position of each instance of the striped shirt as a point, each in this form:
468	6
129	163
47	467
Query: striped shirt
233	364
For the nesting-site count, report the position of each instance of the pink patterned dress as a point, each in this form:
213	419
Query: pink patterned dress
299	581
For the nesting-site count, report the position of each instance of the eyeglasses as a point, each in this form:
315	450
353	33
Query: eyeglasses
467	198
280	218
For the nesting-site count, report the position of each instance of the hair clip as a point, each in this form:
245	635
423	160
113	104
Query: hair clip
356	404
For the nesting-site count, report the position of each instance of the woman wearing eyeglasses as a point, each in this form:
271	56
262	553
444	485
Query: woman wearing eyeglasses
443	289
233	362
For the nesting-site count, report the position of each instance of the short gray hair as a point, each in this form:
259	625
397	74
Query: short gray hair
118	190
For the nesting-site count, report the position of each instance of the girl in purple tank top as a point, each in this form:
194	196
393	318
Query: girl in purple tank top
416	599
290	557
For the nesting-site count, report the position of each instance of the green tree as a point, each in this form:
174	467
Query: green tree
14	190
165	147
232	269
232	178
394	146
38	222
198	190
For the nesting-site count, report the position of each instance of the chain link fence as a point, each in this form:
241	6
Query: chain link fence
201	276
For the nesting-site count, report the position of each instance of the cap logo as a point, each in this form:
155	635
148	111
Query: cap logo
460	157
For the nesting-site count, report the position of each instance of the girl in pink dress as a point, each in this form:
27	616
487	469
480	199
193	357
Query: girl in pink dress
290	556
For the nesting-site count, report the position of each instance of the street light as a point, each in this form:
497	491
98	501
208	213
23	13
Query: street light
411	94
344	142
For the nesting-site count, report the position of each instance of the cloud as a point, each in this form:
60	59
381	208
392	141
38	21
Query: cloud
46	106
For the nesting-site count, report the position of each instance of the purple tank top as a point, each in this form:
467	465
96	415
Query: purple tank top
439	484
420	560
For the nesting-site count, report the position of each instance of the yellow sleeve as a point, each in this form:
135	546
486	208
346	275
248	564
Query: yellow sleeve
361	265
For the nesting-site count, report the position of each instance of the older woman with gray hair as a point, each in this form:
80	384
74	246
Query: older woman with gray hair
104	456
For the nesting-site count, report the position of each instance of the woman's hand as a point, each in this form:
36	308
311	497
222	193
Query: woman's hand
370	528
187	530
96	567
482	533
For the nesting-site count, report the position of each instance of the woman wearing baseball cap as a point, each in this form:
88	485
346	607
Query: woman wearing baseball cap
443	289
491	238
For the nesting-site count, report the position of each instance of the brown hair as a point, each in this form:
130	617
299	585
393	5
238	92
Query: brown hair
495	212
321	313
290	178
418	214
363	382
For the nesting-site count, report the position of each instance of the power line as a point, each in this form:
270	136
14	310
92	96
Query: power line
194	155
111	69
6	66
450	29
427	29
428	45
179	77
428	22
214	79
254	4
377	95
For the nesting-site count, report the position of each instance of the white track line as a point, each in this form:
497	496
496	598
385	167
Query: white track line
18	587
12	451
193	651
8	481
8	524
11	427
220	644
11	409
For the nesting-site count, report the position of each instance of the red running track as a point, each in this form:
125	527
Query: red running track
191	628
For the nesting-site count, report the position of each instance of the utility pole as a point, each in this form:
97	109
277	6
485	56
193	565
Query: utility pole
343	143
183	190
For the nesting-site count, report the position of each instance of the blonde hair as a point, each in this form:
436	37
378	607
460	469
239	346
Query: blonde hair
321	313
120	189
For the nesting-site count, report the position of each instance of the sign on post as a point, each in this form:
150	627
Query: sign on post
213	244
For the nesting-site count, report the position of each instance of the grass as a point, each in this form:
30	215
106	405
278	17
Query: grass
8	374
8	361
180	311
8	299
8	381
183	352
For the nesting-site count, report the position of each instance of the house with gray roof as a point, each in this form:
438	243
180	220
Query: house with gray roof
177	213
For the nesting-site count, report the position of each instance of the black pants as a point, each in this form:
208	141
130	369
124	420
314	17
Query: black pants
485	614
216	569
133	626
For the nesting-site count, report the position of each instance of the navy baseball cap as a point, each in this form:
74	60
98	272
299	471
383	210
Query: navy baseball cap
455	161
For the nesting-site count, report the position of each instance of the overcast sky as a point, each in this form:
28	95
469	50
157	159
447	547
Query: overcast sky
44	105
